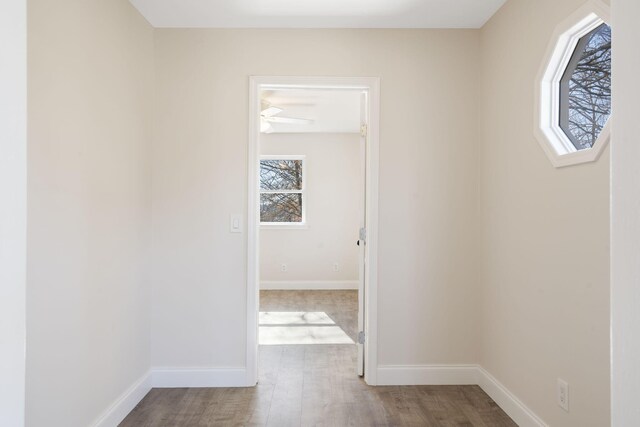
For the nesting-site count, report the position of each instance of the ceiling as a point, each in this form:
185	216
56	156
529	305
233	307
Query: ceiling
332	111
318	13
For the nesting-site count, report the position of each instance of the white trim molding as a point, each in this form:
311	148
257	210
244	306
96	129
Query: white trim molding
124	404
13	210
372	86
552	139
402	375
427	374
198	377
507	401
309	285
168	378
386	375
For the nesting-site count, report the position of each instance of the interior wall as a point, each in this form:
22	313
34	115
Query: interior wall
333	199
427	309
625	269
13	208
545	242
90	105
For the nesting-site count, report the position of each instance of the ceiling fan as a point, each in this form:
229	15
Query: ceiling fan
269	115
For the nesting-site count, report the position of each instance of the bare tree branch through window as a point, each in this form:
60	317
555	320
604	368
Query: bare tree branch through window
281	187
585	89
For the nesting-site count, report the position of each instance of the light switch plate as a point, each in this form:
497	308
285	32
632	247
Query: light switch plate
235	223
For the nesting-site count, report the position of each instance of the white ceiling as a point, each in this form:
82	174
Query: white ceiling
318	13
332	111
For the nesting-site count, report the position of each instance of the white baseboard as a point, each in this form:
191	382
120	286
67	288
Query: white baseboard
518	411
461	375
309	285
198	377
125	403
427	374
387	375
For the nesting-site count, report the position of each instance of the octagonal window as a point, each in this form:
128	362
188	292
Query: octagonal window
585	89
573	92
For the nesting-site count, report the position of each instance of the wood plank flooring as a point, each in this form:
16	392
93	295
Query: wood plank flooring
316	385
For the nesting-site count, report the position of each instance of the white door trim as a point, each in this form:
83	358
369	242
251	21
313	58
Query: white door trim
13	210
372	86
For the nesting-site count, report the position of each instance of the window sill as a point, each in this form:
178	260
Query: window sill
284	226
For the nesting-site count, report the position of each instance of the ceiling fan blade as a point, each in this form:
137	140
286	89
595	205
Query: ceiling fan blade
288	120
270	111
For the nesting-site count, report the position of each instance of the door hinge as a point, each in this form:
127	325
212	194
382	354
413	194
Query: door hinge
363	130
361	337
363	235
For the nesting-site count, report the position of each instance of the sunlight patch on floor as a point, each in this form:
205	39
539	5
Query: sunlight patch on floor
289	328
295	318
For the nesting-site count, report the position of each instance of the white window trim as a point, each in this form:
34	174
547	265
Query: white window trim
288	225
552	139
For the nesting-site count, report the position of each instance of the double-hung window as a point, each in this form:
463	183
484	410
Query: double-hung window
282	192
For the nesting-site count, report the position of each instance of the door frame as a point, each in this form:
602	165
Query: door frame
372	86
13	211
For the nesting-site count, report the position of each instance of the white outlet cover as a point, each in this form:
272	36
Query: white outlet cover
563	394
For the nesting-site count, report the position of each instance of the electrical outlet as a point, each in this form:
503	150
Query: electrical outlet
563	394
283	267
336	267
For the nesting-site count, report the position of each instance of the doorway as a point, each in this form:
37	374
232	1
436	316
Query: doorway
278	202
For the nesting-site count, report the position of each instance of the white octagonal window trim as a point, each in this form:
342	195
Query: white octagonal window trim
554	141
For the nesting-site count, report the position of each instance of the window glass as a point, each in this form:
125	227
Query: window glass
585	89
281	207
281	174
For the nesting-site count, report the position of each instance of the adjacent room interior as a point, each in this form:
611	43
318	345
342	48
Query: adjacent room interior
311	187
311	210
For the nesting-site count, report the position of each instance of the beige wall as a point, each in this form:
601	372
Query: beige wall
90	105
545	245
13	205
470	207
333	199
625	268
428	191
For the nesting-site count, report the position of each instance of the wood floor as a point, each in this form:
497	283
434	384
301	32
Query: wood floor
316	385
